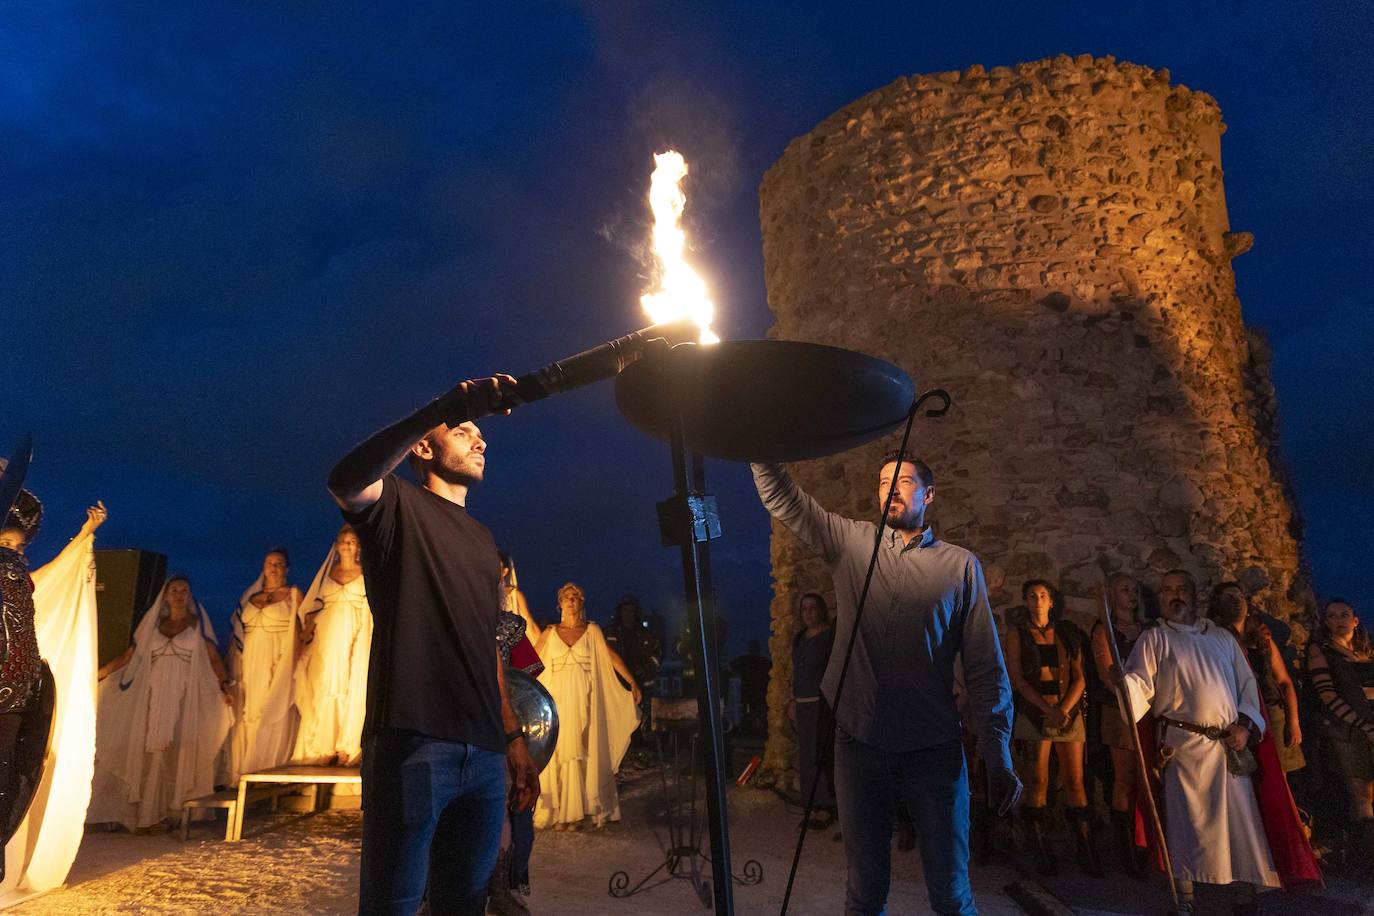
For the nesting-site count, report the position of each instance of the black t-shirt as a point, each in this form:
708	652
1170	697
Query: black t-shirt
432	578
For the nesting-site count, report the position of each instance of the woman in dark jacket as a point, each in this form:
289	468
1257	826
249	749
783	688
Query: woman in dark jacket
1340	665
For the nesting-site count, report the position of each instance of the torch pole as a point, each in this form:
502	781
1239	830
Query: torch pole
1123	699
696	526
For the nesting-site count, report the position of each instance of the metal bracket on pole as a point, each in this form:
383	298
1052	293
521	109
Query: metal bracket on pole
689	518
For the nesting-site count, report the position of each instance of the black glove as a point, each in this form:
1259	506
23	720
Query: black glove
476	398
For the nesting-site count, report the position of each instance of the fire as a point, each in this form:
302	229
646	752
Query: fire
680	292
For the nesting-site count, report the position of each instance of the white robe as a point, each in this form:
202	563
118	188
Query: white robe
331	674
42	850
262	660
163	721
596	719
1199	674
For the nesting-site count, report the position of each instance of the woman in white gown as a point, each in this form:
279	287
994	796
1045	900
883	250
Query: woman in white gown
597	716
261	664
163	715
331	673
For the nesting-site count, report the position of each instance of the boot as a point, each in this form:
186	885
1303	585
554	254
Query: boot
1039	846
1132	862
501	899
1081	825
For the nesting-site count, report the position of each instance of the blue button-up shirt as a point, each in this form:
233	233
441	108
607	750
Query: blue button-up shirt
927	607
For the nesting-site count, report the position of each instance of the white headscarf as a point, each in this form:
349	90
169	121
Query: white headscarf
308	738
124	720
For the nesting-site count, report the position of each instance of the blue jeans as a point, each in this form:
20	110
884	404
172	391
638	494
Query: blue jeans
432	815
522	846
933	785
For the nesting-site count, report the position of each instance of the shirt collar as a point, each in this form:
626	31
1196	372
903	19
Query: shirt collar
927	539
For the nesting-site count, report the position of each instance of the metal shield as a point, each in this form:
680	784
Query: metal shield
535	711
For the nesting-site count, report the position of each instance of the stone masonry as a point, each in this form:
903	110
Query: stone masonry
1048	242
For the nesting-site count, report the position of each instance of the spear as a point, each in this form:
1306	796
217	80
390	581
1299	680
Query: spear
1123	700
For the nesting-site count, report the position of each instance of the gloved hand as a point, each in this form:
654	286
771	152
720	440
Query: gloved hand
1004	789
477	398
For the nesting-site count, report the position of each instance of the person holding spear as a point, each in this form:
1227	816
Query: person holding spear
1113	637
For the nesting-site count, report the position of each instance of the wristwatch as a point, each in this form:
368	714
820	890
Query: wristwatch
511	736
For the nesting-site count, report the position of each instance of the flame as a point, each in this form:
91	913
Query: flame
680	292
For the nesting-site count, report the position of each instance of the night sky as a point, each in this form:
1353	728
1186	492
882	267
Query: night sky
237	238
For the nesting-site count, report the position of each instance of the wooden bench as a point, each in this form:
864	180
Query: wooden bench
229	800
284	779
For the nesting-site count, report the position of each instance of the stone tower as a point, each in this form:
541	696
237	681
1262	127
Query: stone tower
1049	242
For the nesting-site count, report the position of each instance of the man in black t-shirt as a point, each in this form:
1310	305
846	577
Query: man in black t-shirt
439	737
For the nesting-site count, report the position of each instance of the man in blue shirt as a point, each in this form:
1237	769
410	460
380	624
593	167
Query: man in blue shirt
897	728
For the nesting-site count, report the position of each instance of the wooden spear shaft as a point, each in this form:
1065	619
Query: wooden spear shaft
1123	700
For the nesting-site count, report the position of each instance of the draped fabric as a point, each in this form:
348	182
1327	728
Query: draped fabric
596	719
163	721
1197	673
42	850
262	661
1293	858
331	674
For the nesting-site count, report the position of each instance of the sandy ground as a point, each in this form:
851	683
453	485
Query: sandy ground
309	864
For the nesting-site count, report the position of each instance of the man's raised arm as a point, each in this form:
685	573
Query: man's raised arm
356	481
820	530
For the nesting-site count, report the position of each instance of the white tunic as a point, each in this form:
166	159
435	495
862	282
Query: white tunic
596	718
1198	673
331	675
264	667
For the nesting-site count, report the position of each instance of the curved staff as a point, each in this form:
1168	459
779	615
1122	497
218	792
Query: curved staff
1124	705
1003	783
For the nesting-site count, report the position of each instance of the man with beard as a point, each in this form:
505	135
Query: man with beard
1193	677
439	734
897	727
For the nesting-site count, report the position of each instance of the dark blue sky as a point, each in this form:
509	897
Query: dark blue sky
236	238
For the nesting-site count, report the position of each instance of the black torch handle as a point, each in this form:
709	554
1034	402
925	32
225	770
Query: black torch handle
600	362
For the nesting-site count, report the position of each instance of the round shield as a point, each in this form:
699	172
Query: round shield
765	400
535	711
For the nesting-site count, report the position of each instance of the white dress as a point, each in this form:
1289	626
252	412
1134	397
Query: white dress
262	660
1198	673
162	723
331	674
596	718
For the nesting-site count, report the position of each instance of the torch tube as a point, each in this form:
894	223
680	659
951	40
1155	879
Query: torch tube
600	362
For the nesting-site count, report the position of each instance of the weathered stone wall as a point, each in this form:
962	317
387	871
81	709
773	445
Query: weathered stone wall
1050	243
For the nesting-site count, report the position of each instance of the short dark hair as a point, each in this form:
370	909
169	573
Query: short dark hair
923	472
285	554
1187	577
1214	599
